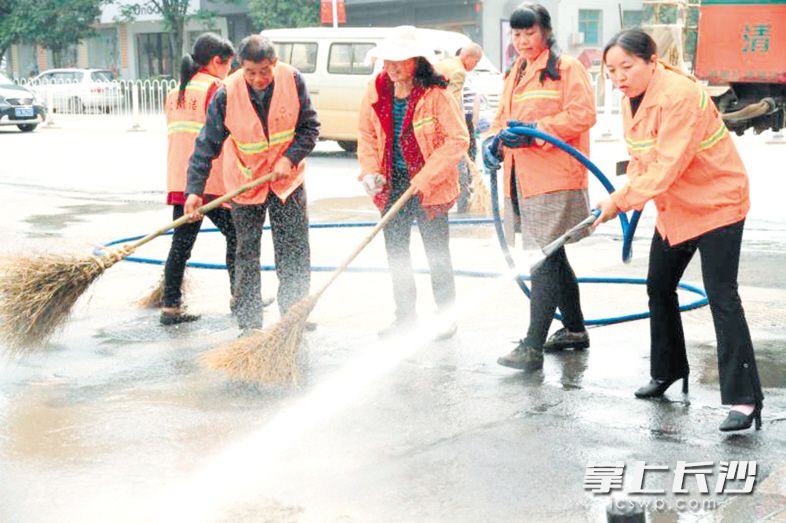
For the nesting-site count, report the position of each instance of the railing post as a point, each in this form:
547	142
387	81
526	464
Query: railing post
50	108
135	124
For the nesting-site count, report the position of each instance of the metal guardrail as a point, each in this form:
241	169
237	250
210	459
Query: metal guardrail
133	98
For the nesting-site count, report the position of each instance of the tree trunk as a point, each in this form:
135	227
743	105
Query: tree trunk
176	45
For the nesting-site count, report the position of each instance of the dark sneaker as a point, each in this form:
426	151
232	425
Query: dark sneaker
565	339
523	357
398	326
179	316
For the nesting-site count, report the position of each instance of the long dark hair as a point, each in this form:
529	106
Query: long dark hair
205	48
426	76
634	42
528	15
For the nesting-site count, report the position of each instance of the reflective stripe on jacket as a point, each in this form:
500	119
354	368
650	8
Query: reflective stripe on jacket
442	138
682	156
250	154
563	108
183	126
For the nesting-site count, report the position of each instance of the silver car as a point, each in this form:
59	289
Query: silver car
78	90
19	106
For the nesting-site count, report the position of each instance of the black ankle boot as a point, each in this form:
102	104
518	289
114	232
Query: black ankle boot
656	388
738	421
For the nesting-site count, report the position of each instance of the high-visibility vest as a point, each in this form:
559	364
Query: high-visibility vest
250	154
183	126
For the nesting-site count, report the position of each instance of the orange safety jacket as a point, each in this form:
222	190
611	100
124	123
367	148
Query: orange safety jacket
251	154
682	157
441	136
183	125
563	108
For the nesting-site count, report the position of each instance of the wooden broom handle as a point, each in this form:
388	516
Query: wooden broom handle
400	203
202	210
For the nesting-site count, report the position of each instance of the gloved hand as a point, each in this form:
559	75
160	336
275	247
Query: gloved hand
373	183
514	140
492	155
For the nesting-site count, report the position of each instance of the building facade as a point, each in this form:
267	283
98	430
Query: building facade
579	25
133	48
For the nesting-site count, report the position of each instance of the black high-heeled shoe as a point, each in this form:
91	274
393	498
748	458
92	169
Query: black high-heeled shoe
656	388
738	421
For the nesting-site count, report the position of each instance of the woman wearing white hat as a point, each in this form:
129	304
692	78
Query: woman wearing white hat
411	133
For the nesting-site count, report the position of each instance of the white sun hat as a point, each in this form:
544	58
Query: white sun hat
402	43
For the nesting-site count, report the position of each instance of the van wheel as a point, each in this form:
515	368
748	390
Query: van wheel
27	127
349	147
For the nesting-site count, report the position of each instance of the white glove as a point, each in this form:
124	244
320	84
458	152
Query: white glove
373	183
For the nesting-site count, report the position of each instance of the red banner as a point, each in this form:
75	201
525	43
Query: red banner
326	11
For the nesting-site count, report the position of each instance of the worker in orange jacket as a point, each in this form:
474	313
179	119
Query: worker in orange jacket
682	157
545	188
265	116
201	73
412	132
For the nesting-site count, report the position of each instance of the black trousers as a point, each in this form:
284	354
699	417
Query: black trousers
436	241
553	285
183	241
720	257
289	226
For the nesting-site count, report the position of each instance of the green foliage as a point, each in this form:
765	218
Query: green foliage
271	14
54	24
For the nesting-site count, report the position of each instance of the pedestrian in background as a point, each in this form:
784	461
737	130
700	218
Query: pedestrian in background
412	133
455	69
201	74
266	110
545	187
682	157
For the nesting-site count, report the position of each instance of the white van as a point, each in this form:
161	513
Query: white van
333	64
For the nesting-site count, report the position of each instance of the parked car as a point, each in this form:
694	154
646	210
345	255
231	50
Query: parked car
333	64
78	90
19	106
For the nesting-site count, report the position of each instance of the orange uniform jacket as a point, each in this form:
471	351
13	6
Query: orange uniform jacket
563	108
183	125
251	154
442	137
682	157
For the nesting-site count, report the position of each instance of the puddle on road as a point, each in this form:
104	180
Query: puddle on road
52	224
769	360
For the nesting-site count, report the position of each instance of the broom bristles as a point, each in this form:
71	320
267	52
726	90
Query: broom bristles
37	294
268	356
480	202
154	298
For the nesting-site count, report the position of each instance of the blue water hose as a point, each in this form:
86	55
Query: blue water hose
628	230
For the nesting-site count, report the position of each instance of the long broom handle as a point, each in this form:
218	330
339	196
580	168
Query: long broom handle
202	210
397	206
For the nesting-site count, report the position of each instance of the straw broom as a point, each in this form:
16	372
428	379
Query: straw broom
38	292
480	202
270	355
154	298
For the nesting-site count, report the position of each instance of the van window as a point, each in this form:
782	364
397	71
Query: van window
300	55
349	58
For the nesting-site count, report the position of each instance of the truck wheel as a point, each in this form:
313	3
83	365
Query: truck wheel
27	127
348	146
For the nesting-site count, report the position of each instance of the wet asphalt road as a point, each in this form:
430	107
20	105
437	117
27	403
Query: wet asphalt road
115	420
